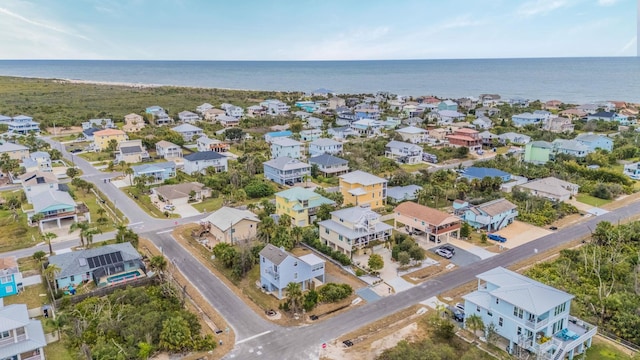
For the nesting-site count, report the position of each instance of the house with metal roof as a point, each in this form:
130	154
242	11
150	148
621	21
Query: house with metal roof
482	172
285	146
570	147
595	141
300	204
54	205
491	216
527	118
168	150
351	229
286	171
514	138
330	165
531	316
437	225
198	162
414	135
204	143
279	268
36	182
361	188
188	117
104	265
230	225
39	160
403	152
398	194
22	337
325	146
609	116
188	131
156	173
270	136
538	152
15	151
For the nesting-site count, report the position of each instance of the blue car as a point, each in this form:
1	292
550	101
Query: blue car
497	238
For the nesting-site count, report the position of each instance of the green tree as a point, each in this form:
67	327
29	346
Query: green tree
39	255
465	230
294	296
324	212
310	300
72	172
51	272
404	258
128	171
176	335
375	262
48	236
83	227
474	323
159	264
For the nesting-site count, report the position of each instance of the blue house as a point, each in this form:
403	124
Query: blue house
527	118
570	147
491	216
278	268
594	141
270	136
10	277
399	194
609	116
448	105
158	172
286	171
153	109
308	106
286	147
104	265
531	316
481	173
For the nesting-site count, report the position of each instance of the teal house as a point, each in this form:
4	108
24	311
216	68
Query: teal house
10	277
538	152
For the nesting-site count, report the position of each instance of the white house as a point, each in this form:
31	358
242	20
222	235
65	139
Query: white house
284	146
22	337
188	131
275	107
414	135
234	111
168	150
200	109
198	162
403	153
325	146
531	316
188	117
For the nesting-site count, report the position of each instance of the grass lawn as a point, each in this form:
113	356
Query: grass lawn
145	203
28	264
96	156
209	204
591	200
57	351
89	199
414	167
16	234
69	137
31	296
603	351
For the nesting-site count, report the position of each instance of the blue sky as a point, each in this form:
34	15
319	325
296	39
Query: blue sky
315	29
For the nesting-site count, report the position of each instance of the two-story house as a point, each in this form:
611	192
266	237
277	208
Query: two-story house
188	117
361	188
527	118
538	152
415	218
531	316
168	150
448	105
21	338
466	137
39	160
300	204
10	277
198	162
188	131
403	153
325	146
279	268
286	171
36	182
230	225
288	147
204	143
594	142
414	135
104	265
213	114
275	107
156	173
310	134
270	136
570	147
131	152
15	151
329	165
228	121
234	111
491	216
22	124
514	138
102	138
351	229
55	205
200	109
133	123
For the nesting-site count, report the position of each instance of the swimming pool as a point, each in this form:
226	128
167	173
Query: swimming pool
124	276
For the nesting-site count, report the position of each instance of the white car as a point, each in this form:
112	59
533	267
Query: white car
169	207
444	253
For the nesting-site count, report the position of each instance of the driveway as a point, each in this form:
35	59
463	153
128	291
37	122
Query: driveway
520	233
462	257
186	210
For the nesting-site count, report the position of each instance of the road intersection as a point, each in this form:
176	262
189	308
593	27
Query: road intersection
256	338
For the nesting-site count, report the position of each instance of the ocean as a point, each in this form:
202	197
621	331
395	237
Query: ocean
574	80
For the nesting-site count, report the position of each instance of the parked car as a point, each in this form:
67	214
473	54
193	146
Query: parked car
554	228
75	151
169	207
460	306
444	253
456	314
449	248
497	238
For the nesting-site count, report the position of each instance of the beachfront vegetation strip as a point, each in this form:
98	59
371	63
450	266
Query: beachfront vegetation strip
133	324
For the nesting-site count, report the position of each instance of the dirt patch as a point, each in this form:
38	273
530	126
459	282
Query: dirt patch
520	233
201	307
424	274
65	130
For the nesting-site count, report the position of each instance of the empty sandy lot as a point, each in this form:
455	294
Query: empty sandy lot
520	233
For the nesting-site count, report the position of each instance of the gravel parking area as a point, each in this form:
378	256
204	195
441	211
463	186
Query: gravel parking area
461	258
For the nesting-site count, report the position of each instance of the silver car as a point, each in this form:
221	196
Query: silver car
444	253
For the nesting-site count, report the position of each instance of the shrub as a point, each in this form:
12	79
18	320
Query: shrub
332	292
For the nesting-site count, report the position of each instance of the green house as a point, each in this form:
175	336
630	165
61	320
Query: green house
538	152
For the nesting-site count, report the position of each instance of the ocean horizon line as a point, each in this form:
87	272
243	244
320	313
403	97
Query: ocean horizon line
335	60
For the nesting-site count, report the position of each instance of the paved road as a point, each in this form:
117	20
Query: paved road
258	339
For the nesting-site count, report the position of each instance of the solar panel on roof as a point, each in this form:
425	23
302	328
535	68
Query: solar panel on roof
119	256
104	260
91	263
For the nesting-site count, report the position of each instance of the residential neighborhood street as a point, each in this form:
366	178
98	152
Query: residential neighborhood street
256	337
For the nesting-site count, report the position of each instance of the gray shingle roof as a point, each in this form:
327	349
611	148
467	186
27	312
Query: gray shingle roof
131	149
225	217
204	155
70	263
327	160
274	254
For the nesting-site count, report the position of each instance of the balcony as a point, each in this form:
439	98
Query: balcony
536	324
273	274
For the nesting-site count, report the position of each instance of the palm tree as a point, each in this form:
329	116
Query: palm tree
266	228
294	296
48	237
58	323
474	323
51	272
89	235
296	233
83	227
129	172
159	264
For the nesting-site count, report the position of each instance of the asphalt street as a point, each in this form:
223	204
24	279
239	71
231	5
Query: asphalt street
258	339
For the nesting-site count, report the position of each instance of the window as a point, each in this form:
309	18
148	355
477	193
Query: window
477	308
340	237
295	275
489	313
263	260
519	330
8	289
4	334
72	278
497	301
295	263
326	231
559	309
5	279
499	321
518	312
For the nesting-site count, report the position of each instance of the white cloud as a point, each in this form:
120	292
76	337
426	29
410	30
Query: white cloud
40	24
540	7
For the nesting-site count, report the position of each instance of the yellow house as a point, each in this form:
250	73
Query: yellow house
102	138
230	225
361	188
300	204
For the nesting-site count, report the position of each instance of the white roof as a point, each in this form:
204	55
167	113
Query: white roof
411	130
285	141
362	177
325	142
11	147
311	259
186	128
225	217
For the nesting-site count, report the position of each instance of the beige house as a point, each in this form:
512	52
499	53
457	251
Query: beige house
131	152
230	225
438	134
351	229
180	194
212	114
133	123
551	188
15	151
